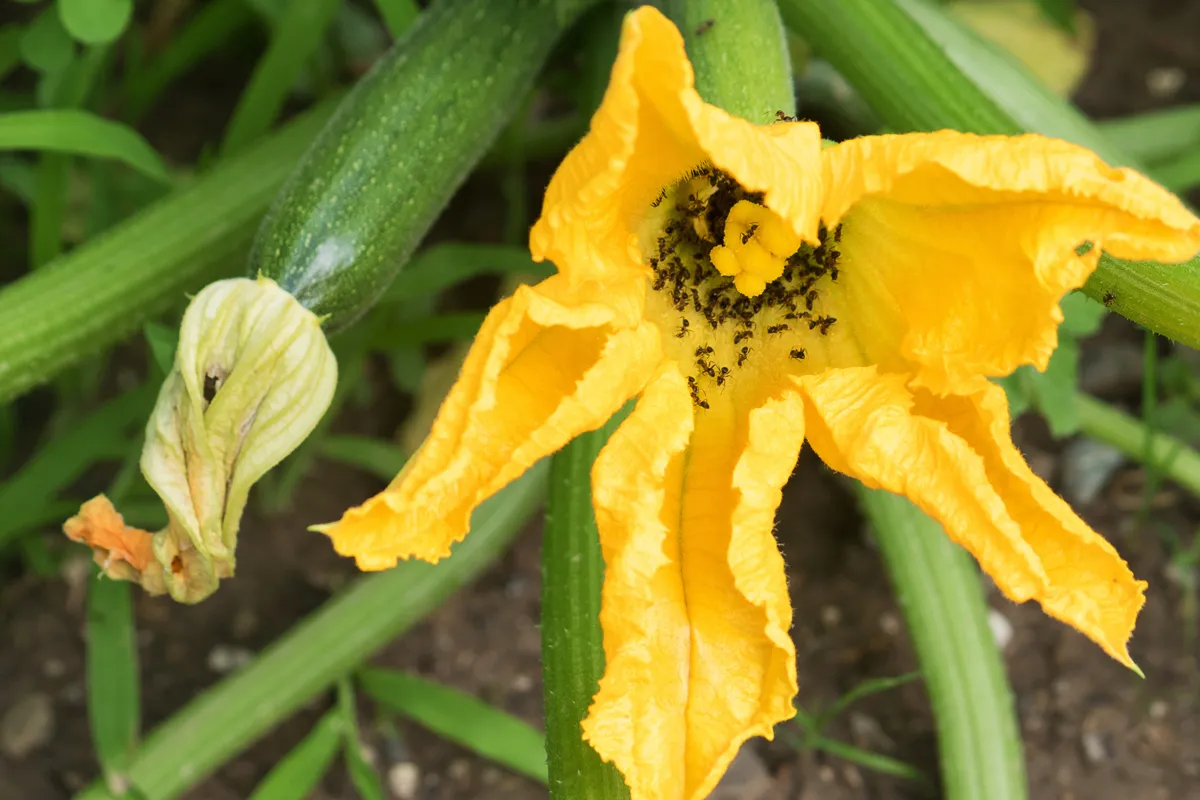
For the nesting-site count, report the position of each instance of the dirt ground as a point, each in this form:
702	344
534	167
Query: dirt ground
1092	731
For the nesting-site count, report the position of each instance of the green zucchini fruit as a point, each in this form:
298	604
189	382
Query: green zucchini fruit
399	145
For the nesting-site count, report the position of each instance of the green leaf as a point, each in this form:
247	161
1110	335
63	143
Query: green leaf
80	133
293	42
1156	136
868	760
452	327
45	45
95	21
445	265
163	342
10	47
362	775
213	24
1060	12
486	730
380	458
102	435
298	773
114	708
398	15
1082	316
1179	174
864	689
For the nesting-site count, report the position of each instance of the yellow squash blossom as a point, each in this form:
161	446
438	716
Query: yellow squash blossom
755	291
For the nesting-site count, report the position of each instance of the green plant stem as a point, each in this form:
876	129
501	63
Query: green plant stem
572	642
740	55
939	591
105	289
1171	457
921	72
315	653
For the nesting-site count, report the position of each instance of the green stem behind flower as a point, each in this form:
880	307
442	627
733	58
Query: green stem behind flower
572	642
315	653
938	589
920	71
1170	456
717	34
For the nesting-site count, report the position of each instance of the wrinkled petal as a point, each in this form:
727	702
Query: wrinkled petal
953	456
120	550
651	129
956	249
538	374
695	606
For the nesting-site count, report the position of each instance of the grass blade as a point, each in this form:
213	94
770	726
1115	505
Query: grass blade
103	434
377	457
293	42
484	729
362	775
299	772
80	133
320	649
872	761
213	24
114	707
864	689
398	15
1155	135
445	265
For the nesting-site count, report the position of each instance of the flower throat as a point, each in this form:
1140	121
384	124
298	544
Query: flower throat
709	218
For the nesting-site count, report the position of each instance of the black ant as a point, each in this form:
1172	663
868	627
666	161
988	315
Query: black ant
705	27
683	329
798	354
742	356
703	350
777	329
749	234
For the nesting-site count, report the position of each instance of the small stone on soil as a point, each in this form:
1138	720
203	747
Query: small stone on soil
1002	629
404	780
224	658
26	726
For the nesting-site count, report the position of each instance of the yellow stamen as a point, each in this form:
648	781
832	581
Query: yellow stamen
757	245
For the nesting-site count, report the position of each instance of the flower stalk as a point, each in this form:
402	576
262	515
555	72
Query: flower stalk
939	592
572	644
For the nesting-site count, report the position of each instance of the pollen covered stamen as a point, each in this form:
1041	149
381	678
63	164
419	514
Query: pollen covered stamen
757	246
742	282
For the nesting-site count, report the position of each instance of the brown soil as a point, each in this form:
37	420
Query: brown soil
1092	730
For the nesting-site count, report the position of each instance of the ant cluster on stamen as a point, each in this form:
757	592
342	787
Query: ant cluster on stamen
685	277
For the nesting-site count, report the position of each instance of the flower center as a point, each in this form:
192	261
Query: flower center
734	279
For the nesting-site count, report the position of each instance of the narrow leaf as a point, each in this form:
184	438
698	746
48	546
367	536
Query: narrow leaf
380	458
299	772
163	342
362	775
872	761
45	45
114	708
79	133
1156	135
95	21
444	265
294	41
398	15
461	718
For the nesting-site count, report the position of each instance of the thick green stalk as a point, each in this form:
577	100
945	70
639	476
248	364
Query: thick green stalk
572	642
1173	458
740	55
939	591
103	290
920	71
315	653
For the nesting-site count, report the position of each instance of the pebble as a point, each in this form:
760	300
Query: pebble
27	725
890	623
1094	749
404	779
1002	629
224	658
831	616
1159	709
1165	82
522	683
458	770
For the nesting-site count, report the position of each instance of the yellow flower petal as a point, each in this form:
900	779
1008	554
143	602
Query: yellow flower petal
695	604
650	130
538	374
953	457
957	248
